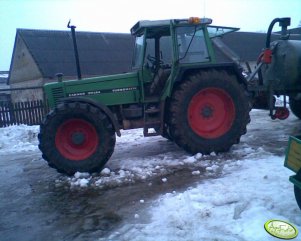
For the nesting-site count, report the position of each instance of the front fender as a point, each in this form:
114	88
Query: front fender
99	105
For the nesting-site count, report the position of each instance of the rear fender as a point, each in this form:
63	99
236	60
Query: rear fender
98	105
231	68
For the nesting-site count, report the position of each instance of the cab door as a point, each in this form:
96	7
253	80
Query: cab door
157	61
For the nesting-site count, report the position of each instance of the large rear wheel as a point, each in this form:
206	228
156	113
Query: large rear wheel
209	111
76	137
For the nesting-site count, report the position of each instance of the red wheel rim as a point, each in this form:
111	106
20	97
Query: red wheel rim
211	113
76	139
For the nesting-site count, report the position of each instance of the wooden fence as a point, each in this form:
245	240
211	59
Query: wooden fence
28	113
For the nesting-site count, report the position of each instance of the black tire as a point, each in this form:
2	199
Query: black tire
193	108
166	134
76	137
295	106
297	192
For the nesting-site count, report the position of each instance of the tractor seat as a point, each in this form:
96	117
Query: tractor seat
159	81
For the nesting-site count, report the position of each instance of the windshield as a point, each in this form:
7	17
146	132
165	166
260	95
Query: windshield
191	45
215	31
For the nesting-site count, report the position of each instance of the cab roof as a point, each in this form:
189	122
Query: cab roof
141	25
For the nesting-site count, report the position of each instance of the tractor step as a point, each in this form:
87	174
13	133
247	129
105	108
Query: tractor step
152	124
152	119
152	99
146	133
152	110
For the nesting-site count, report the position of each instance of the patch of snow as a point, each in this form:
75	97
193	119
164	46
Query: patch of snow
191	159
18	138
105	172
212	168
196	172
198	155
82	182
164	179
233	207
81	175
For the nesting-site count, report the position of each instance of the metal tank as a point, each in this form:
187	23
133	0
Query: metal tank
279	73
284	72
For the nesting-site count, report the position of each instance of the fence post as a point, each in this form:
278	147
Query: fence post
11	113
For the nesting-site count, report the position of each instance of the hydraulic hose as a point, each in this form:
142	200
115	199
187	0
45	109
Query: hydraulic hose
268	40
283	22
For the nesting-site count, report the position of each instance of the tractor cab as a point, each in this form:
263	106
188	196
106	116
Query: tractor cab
164	47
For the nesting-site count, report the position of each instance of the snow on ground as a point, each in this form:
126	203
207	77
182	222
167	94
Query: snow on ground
232	207
242	190
18	138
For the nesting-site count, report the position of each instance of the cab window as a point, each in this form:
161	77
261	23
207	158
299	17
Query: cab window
191	45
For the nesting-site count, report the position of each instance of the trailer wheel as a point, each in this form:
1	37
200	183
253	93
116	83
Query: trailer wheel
209	112
295	106
297	192
76	137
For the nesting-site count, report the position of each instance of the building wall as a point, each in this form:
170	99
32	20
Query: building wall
4	95
27	94
23	66
24	74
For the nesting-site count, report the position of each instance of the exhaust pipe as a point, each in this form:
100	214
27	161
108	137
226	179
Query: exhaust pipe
79	75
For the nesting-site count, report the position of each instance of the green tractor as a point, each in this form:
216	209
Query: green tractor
176	89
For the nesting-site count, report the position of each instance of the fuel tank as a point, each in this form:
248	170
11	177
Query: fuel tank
284	73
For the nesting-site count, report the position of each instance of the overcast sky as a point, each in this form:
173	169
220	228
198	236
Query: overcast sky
120	15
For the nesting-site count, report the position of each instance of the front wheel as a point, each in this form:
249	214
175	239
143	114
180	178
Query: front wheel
209	112
76	137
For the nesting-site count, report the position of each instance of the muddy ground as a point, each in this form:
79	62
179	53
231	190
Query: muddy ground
33	207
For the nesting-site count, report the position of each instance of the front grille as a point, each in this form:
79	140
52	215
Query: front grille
57	94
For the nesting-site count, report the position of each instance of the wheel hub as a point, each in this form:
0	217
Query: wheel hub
207	112
211	113
78	138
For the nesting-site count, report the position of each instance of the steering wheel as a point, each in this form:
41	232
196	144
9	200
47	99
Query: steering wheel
154	61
